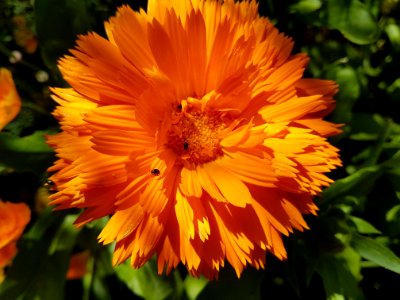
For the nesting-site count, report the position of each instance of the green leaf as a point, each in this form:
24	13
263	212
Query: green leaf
393	162
95	281
48	219
349	91
57	24
393	33
340	274
375	252
144	282
369	124
65	236
363	226
34	143
36	272
28	153
306	6
229	287
193	286
393	215
353	19
358	183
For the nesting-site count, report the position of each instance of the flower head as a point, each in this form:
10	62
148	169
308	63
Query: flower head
13	219
10	103
192	126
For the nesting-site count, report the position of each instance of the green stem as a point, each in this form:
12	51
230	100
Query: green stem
88	280
7	52
376	150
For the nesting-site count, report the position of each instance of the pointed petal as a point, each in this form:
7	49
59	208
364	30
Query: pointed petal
249	168
231	187
121	224
184	214
293	109
190	184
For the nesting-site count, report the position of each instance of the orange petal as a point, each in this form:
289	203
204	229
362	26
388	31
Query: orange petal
7	253
249	168
231	187
13	219
190	184
78	265
10	103
130	219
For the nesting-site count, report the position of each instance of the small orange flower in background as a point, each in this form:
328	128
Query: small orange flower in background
10	103
13	219
78	265
23	35
192	126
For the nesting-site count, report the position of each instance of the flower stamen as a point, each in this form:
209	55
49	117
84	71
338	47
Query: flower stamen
195	136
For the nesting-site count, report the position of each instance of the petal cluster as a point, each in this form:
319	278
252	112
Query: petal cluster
10	103
13	219
191	125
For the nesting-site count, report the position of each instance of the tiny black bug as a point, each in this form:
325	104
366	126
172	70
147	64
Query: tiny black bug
155	172
185	145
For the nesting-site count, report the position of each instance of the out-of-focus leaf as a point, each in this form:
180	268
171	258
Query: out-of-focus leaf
340	274
194	286
306	6
47	220
375	252
100	289
144	282
393	219
393	33
363	226
369	124
34	143
95	281
377	148
394	162
65	236
349	91
57	25
29	153
355	184
36	273
393	214
229	287
353	19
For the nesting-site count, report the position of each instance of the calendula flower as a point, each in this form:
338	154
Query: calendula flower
192	126
13	219
78	265
10	103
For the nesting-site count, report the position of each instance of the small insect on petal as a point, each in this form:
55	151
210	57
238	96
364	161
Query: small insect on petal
155	172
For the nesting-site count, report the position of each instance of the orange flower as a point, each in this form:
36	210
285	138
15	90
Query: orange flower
78	265
192	126
10	104
23	35
13	219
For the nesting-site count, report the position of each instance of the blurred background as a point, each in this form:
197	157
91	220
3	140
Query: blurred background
351	251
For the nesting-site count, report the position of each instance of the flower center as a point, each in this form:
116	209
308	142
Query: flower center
195	136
